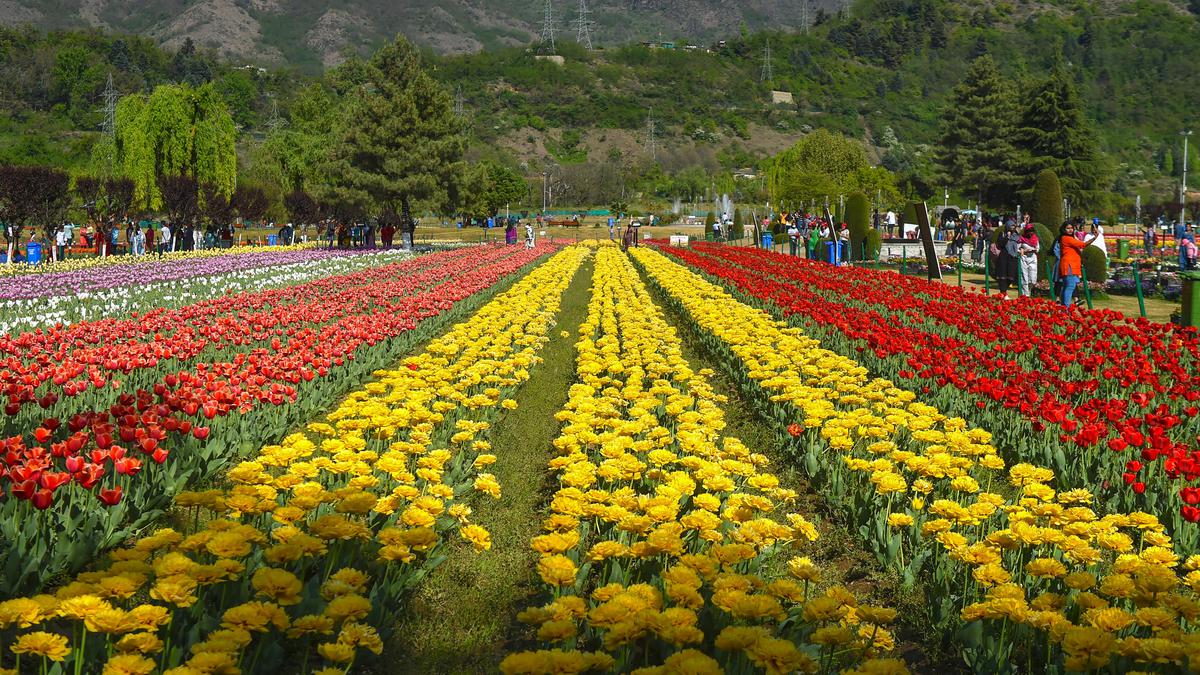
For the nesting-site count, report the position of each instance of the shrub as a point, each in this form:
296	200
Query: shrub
1095	263
709	220
858	217
739	228
874	242
1047	199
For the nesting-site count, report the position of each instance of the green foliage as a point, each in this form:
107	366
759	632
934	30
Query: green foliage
709	220
739	227
176	130
1095	263
1054	135
858	217
976	152
825	158
1047	199
874	243
398	141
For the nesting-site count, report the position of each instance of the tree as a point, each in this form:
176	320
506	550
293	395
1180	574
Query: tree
858	217
302	208
977	152
217	208
1047	200
738	230
1053	134
507	187
31	196
822	158
180	199
176	130
709	221
399	141
251	203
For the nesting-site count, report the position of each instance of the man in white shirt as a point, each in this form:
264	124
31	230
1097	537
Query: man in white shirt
891	223
165	244
60	243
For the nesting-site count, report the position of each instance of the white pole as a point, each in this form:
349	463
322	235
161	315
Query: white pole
1183	192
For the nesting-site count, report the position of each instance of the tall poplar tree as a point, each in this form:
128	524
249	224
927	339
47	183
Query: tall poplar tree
1054	134
977	153
399	140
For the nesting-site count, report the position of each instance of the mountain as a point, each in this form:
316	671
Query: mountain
311	33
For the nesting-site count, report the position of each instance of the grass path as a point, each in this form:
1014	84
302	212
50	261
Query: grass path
462	618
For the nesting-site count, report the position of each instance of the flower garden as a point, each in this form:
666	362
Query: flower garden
255	462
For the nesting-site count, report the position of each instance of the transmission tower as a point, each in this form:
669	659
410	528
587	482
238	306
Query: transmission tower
767	74
651	135
844	8
110	108
459	109
583	26
548	27
275	122
805	17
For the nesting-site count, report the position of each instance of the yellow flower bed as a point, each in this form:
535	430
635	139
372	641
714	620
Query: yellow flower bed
667	543
1037	567
76	264
317	538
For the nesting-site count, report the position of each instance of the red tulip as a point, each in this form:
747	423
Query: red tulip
110	497
42	499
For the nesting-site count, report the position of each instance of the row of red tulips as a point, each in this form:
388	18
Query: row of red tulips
54	469
1106	398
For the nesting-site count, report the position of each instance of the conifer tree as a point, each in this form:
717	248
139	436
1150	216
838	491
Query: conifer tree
977	153
399	140
1047	200
1053	134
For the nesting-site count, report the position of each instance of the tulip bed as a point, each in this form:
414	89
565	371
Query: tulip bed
115	291
305	557
76	264
1015	572
1109	403
659	543
106	420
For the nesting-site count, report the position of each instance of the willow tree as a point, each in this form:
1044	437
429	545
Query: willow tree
398	141
176	130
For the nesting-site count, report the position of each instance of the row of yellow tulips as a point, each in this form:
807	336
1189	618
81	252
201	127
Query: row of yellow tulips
1011	566
668	548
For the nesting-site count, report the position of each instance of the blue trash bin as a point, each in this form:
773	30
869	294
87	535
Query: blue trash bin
768	241
33	253
272	240
833	250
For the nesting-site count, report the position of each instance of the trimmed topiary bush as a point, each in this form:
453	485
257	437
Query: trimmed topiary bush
1047	199
858	217
709	220
874	242
1096	265
739	228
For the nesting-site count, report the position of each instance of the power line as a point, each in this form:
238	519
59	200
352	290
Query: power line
583	26
548	26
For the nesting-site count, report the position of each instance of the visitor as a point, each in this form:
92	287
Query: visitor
1180	233
876	219
1070	263
150	238
1006	252
843	239
717	230
1028	246
510	233
529	235
387	233
1148	236
793	233
60	242
164	245
890	218
1189	254
331	233
139	241
611	226
114	237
